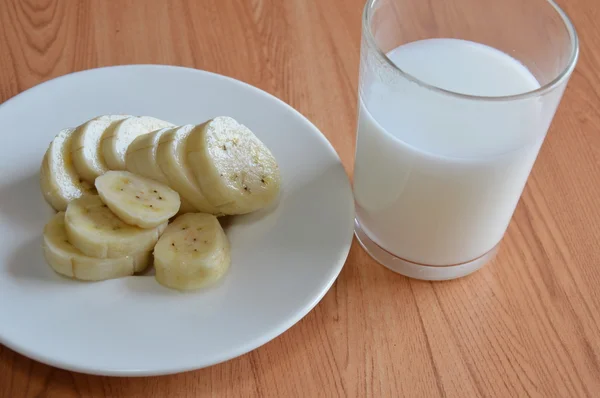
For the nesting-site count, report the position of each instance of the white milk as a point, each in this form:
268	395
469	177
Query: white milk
437	177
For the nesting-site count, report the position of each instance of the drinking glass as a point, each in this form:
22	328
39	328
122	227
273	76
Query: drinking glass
455	99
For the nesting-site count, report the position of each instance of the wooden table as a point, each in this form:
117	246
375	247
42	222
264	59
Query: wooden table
526	325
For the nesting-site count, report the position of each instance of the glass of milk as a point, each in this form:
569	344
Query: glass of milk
455	99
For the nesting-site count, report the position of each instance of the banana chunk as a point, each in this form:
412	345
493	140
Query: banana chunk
192	253
236	171
186	207
59	180
95	230
117	139
141	159
87	155
171	157
141	156
67	260
137	200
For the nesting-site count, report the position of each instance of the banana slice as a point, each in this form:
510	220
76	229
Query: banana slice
67	260
192	253
171	158
186	207
236	171
96	231
137	200
141	156
87	155
117	139
59	181
141	159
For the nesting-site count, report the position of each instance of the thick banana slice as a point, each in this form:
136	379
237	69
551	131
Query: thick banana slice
98	232
171	157
236	171
141	160
141	156
137	200
117	139
192	253
87	155
67	260
59	181
186	207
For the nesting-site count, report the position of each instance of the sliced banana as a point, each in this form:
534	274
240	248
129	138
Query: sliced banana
141	159
141	156
236	171
171	157
186	207
137	200
95	230
192	253
59	181
87	154
67	260
117	139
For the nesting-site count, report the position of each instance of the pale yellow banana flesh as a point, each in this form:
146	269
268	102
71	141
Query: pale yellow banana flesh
86	149
219	167
67	260
171	158
117	139
59	181
186	207
235	170
95	230
141	160
192	253
141	156
137	200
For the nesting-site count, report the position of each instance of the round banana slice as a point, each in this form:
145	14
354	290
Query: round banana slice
186	207
117	139
137	200
171	157
192	253
59	181
141	160
95	230
67	260
141	156
236	171
87	155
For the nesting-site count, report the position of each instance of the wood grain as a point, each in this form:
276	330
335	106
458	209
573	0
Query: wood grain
526	325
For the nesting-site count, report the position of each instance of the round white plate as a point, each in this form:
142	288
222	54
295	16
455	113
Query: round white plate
284	259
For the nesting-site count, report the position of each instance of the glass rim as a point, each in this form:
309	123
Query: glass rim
551	85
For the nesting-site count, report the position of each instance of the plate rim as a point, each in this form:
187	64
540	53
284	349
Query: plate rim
250	345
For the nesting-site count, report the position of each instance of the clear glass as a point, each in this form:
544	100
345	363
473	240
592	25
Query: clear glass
455	99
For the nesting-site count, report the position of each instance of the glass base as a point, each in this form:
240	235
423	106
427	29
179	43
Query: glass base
419	271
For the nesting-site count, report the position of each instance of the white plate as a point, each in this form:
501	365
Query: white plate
283	260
